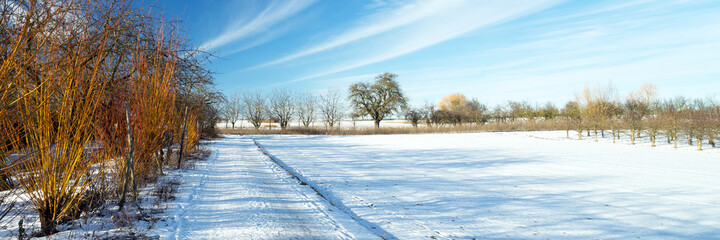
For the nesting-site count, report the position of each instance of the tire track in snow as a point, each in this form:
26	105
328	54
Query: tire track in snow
308	199
376	229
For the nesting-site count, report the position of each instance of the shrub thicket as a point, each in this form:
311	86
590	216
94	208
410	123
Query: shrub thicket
93	82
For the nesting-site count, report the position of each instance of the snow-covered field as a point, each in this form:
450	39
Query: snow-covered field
510	185
520	185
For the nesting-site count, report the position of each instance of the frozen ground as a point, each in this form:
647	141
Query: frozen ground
510	185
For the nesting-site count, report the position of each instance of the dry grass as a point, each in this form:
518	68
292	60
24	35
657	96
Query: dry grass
490	127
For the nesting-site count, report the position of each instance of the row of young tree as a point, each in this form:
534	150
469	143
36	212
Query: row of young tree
94	98
596	110
283	107
641	112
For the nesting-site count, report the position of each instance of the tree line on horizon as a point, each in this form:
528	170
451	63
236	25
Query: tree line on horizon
95	96
593	110
376	100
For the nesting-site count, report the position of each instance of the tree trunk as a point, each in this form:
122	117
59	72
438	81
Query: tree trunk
675	140
47	225
613	134
699	143
169	152
160	160
129	164
652	139
632	137
377	123
711	140
567	133
182	138
233	125
579	134
596	135
690	140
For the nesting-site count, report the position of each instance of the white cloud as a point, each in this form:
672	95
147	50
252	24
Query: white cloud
377	23
454	20
274	14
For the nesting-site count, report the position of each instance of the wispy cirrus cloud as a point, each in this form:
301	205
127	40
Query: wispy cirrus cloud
454	19
627	46
377	23
271	16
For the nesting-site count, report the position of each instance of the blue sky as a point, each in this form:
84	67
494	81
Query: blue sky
495	51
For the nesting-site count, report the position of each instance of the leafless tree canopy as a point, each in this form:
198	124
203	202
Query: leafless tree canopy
233	108
282	106
331	107
255	108
306	108
377	100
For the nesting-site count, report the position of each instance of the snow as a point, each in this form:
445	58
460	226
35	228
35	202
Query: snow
519	185
510	185
241	194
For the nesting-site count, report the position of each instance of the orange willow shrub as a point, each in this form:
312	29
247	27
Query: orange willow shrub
146	82
152	96
193	133
68	70
12	36
57	74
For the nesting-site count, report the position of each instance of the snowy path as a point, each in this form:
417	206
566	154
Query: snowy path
240	194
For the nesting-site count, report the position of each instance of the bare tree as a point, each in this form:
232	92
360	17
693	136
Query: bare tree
572	118
307	104
282	106
233	108
645	95
428	114
672	113
700	121
414	115
378	100
713	121
255	108
654	121
500	113
331	107
477	112
597	107
549	111
635	110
